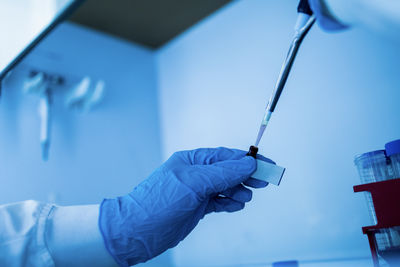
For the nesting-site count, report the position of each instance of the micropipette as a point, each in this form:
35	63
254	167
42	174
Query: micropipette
304	22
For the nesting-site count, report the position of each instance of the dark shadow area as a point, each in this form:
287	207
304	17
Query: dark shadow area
148	22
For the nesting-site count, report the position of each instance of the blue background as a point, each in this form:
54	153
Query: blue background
208	88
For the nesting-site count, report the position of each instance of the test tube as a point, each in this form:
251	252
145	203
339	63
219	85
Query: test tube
374	167
392	252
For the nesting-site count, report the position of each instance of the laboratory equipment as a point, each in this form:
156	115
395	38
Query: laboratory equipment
253	150
163	209
79	94
85	95
372	167
393	152
82	96
381	185
386	201
44	111
266	171
23	24
42	84
304	22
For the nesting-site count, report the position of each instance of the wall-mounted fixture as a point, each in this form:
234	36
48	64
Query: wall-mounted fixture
85	95
82	97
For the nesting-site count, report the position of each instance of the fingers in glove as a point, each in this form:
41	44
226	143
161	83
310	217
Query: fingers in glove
219	204
255	183
207	156
210	179
238	193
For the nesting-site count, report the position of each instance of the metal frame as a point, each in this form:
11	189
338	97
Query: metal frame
64	14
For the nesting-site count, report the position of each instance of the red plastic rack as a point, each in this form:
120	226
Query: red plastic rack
386	199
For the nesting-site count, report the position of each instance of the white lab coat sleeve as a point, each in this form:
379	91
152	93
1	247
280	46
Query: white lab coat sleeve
381	16
22	227
39	234
74	238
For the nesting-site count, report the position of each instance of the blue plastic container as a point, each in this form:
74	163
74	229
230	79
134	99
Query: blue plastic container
393	152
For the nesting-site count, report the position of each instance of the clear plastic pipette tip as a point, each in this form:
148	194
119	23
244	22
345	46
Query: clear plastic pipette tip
260	134
264	124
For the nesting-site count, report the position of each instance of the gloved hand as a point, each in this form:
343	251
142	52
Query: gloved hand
324	16
163	209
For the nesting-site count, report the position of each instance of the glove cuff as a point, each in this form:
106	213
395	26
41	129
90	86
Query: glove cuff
123	247
325	19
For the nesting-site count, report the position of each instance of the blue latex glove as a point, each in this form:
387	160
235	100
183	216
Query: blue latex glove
163	209
324	17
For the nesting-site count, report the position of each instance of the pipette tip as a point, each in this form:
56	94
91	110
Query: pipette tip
260	134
